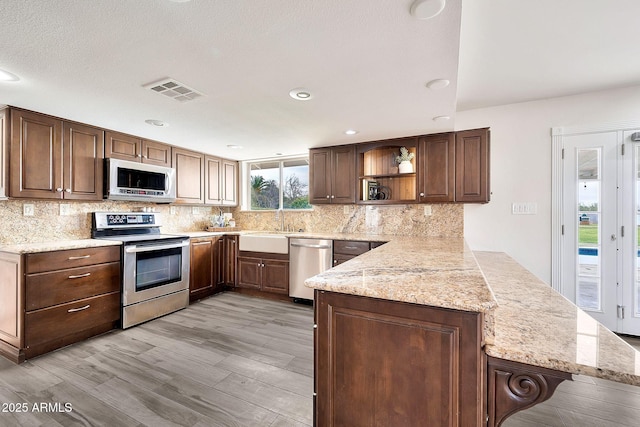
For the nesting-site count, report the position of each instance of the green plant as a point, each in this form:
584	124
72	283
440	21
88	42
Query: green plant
404	156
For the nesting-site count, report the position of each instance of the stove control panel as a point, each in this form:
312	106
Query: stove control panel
131	219
125	220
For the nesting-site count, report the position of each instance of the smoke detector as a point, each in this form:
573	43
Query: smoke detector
174	89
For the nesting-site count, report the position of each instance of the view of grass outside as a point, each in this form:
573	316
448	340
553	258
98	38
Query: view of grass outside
588	235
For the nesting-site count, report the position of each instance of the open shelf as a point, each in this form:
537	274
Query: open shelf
379	179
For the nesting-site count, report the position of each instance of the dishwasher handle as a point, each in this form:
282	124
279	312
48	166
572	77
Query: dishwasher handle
301	245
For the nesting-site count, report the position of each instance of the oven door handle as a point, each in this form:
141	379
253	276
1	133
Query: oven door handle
136	249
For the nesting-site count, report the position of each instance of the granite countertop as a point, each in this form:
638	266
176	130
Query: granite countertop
536	325
56	245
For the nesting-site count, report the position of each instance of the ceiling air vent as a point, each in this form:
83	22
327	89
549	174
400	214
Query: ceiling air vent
174	89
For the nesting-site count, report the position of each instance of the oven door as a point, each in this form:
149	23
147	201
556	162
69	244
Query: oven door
153	269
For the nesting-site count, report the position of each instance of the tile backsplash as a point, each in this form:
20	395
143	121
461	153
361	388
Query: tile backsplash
48	224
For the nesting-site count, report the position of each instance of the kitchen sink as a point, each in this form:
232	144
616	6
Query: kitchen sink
271	243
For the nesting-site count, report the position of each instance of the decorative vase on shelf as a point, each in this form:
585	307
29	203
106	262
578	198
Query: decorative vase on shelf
405	167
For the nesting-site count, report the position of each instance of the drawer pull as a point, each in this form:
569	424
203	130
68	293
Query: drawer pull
71	258
73	310
78	276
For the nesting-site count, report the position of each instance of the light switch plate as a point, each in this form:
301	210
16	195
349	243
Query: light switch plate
173	210
427	210
345	209
28	209
524	208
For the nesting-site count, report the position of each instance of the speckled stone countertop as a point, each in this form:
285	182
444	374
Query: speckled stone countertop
57	245
439	272
536	325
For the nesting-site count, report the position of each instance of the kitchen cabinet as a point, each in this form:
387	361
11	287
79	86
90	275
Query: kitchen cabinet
230	260
129	147
54	159
380	180
4	148
57	298
264	271
205	265
472	166
221	182
190	173
332	175
398	364
344	250
436	168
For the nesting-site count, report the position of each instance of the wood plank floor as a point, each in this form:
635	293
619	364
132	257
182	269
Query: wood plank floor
230	360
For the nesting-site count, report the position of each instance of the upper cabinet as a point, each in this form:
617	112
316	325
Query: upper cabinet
472	166
128	147
54	159
190	168
382	179
332	175
4	149
436	156
221	182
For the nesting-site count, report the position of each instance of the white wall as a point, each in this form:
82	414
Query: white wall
521	168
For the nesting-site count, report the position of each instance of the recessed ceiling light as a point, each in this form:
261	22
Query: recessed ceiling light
234	146
157	123
441	118
426	9
6	76
300	94
350	132
438	84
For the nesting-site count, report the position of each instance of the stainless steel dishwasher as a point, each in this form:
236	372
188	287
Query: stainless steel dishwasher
307	257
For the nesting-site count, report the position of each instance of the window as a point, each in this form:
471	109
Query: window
277	184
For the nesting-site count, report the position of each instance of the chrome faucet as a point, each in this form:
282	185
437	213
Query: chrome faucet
280	216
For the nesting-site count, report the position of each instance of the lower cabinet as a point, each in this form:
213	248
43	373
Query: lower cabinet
344	250
386	363
229	261
264	272
61	297
206	266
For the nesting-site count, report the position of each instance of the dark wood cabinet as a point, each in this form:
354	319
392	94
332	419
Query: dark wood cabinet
58	298
221	182
190	172
344	250
398	364
205	267
129	147
230	260
264	272
332	177
436	168
54	159
472	166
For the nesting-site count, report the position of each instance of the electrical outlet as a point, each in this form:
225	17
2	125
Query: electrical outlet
427	210
65	209
28	209
346	209
173	210
195	210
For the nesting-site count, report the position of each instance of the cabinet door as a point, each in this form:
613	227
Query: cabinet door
220	260
229	183
201	275
249	272
36	156
472	166
275	276
320	176
343	175
122	146
4	148
189	166
83	163
436	165
156	153
230	260
213	172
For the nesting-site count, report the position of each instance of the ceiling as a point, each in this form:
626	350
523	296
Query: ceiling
366	64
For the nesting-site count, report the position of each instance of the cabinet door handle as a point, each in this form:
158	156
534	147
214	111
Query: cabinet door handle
59	189
72	258
421	194
328	196
73	310
333	197
78	276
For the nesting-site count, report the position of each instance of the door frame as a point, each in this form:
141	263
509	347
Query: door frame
557	184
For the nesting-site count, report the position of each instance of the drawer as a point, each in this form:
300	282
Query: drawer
61	286
350	247
58	260
53	323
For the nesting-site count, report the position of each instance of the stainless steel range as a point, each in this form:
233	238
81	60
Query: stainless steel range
155	266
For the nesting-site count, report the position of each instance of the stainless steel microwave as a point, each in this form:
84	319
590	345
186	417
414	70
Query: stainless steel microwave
125	180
